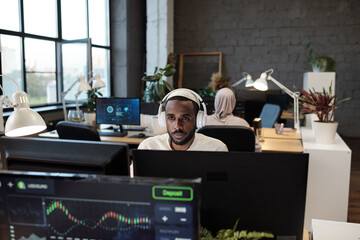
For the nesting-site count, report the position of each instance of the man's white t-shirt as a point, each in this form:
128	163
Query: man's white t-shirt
200	143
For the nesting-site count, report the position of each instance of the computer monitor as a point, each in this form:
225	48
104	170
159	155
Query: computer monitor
117	111
265	191
63	155
69	206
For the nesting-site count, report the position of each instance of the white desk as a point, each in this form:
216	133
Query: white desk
328	184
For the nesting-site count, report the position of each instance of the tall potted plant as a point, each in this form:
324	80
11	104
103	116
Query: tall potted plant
323	104
156	85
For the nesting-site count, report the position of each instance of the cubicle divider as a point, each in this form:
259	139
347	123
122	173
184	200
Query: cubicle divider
62	155
265	191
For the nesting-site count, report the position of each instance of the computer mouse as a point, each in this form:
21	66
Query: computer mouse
141	135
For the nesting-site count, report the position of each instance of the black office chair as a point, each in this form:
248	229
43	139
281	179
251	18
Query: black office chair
77	131
236	138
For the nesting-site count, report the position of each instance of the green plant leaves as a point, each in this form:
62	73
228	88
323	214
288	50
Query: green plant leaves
92	94
157	87
321	62
323	104
232	234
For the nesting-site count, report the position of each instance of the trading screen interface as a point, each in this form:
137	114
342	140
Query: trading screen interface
39	208
118	111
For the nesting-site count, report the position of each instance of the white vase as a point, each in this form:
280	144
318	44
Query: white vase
90	118
324	131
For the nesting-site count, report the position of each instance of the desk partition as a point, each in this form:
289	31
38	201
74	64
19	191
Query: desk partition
265	191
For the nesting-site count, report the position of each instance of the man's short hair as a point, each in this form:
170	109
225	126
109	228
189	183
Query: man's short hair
181	98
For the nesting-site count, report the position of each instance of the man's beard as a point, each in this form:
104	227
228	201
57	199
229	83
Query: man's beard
186	140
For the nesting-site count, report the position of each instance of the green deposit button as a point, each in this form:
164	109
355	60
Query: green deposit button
172	193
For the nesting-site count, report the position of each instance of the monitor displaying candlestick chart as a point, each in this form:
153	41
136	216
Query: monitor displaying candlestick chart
40	206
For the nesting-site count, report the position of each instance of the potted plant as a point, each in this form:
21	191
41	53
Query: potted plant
232	234
156	85
217	82
320	62
323	104
90	115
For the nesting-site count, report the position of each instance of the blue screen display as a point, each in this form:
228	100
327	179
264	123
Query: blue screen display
118	111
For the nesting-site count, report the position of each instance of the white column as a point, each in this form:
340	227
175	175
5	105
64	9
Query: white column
159	33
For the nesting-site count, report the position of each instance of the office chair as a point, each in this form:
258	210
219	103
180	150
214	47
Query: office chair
236	138
269	115
77	131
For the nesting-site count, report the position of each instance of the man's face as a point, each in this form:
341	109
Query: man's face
180	123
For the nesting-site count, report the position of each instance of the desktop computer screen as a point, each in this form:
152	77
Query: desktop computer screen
64	155
117	111
43	206
265	191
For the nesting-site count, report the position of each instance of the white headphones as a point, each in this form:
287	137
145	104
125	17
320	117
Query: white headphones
189	94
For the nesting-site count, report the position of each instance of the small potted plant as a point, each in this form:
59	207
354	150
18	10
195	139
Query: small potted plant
320	62
217	82
90	115
233	234
156	85
323	104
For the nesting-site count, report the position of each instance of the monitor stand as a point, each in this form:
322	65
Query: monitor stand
116	132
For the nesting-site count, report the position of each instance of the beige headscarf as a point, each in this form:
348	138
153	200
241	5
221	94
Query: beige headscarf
224	103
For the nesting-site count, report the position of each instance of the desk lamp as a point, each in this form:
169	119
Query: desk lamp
97	82
23	120
261	84
247	77
82	87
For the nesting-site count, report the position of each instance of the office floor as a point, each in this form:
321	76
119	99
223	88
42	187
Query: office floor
354	198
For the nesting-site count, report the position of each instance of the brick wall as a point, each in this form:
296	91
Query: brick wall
255	35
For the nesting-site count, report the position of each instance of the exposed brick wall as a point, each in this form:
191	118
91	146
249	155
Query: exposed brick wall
255	35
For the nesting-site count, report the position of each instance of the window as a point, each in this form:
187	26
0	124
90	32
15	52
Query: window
45	46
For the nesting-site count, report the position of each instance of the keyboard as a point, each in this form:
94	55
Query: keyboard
132	128
111	133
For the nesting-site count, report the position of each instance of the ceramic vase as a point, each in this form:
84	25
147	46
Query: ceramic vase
324	131
90	118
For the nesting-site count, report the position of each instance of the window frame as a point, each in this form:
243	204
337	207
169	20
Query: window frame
58	50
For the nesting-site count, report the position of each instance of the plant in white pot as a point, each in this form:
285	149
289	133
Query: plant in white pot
92	94
320	62
323	104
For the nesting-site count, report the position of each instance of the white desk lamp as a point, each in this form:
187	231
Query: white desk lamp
262	85
247	77
23	120
82	87
97	82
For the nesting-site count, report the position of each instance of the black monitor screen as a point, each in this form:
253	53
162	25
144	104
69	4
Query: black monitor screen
265	191
58	206
64	155
119	111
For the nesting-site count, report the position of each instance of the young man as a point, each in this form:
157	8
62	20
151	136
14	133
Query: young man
181	113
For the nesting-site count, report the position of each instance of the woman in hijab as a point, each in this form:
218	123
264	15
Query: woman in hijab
224	106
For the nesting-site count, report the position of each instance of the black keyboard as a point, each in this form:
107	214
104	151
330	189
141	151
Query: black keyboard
112	133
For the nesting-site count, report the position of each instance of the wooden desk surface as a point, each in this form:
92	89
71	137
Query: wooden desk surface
281	145
127	139
289	115
268	145
270	133
306	235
